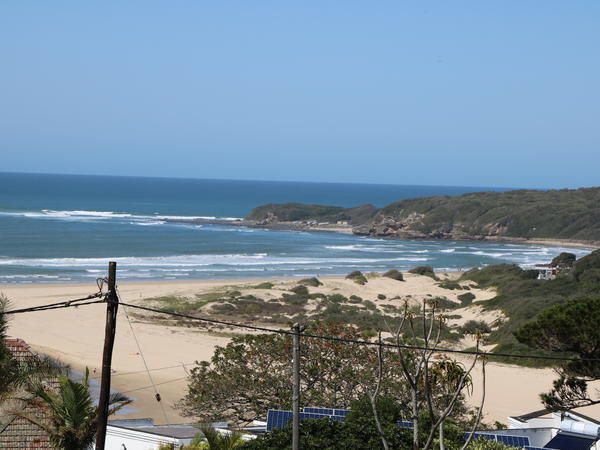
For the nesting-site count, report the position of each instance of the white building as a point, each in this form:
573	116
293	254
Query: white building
144	435
560	430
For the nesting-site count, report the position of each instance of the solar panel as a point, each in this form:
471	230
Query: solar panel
488	436
568	442
510	440
405	423
513	441
327	411
277	418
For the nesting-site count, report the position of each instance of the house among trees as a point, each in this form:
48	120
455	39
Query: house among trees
568	430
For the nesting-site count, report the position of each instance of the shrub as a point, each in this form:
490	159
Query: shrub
394	275
355	299
450	284
381	297
564	261
313	282
466	299
337	298
223	307
357	276
295	299
370	305
475	326
265	285
300	290
425	271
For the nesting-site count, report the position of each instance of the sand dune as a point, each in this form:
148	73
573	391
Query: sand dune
75	336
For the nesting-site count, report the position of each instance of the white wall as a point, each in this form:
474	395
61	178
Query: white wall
122	438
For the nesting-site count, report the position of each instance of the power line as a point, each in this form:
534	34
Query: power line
134	372
57	305
153	385
141	353
69	304
360	341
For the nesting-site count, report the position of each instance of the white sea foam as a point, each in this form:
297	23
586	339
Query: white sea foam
84	215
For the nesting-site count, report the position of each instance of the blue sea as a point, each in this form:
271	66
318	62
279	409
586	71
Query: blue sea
65	228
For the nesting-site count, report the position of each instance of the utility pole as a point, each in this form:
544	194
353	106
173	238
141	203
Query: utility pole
112	304
296	388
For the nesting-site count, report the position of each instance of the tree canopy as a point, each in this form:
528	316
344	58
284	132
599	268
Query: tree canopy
570	328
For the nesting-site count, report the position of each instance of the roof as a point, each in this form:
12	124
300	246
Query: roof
184	431
16	432
543	412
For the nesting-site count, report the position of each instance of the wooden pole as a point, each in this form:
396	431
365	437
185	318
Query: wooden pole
109	339
296	389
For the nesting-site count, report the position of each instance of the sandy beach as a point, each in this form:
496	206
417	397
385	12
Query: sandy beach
75	336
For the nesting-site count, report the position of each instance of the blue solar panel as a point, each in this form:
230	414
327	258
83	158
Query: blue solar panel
567	442
278	418
405	423
490	437
513	441
327	411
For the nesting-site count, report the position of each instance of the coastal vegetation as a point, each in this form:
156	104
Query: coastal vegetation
522	298
567	214
569	328
394	275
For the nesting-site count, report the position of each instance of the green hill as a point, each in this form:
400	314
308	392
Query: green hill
569	214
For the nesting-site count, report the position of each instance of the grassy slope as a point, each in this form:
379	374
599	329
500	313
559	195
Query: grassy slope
566	214
557	214
521	296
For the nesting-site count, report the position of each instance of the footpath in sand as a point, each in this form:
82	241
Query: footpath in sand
75	336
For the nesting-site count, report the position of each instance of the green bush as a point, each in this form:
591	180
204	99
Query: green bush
313	282
337	298
564	261
223	307
466	299
450	284
295	299
381	297
394	275
370	305
425	271
355	299
300	290
475	327
486	444
265	285
357	276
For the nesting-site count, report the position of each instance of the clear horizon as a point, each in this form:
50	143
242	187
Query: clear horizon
472	94
276	181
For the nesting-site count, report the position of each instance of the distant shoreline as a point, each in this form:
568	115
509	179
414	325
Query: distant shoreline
348	229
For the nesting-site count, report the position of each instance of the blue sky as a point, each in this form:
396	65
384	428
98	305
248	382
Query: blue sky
486	93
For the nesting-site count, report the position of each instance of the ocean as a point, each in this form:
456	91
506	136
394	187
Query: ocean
65	228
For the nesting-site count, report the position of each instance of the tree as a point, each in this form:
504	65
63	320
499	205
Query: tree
564	261
18	373
219	441
570	327
438	392
8	366
73	415
252	373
